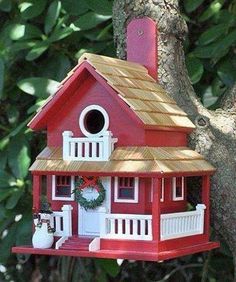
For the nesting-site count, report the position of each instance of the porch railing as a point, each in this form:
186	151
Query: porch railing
87	148
62	221
181	224
139	227
126	226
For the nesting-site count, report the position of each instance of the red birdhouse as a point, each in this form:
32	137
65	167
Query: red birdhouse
116	169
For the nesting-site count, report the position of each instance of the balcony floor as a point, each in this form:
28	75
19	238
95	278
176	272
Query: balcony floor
121	254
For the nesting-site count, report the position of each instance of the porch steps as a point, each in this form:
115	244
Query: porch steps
76	243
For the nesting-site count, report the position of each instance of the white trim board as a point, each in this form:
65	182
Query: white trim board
136	192
174	190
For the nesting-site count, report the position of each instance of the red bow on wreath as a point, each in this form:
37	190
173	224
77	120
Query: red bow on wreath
90	182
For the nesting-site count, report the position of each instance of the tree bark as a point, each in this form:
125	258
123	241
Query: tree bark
215	134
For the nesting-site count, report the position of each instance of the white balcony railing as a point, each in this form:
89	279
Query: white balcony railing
126	226
87	148
62	221
181	224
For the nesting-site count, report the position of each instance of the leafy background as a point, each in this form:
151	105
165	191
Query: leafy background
40	41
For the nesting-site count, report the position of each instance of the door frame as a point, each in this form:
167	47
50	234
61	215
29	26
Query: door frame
107	208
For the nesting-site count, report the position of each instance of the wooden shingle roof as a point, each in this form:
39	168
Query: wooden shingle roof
132	83
124	160
140	91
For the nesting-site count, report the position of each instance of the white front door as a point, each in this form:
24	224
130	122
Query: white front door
89	220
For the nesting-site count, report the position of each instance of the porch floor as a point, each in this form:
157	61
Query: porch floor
121	254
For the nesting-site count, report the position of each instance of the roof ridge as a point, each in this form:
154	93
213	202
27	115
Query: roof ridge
112	61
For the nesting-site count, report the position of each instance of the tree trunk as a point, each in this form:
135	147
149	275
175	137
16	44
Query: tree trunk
215	134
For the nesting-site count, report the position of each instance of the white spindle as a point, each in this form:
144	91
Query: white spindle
94	150
150	227
100	146
79	150
86	150
142	226
112	226
58	224
127	226
72	149
120	226
135	227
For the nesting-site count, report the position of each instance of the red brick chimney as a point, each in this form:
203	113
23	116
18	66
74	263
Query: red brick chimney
142	44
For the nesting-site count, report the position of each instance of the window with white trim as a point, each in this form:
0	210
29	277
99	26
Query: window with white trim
62	187
178	188
162	190
126	189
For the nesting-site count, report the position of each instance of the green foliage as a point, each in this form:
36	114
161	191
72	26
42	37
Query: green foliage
195	68
211	60
31	8
1	75
38	86
192	5
40	41
52	16
90	20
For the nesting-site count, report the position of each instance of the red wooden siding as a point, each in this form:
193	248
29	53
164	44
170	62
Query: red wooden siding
91	92
169	206
158	138
122	125
131	208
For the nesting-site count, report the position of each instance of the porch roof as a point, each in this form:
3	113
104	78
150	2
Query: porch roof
143	161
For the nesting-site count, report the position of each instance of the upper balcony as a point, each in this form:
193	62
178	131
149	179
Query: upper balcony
88	148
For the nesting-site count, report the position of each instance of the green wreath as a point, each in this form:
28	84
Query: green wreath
93	182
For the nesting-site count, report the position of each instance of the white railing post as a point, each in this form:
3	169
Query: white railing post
67	220
67	135
107	145
201	208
